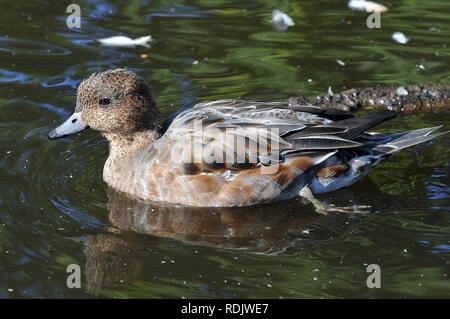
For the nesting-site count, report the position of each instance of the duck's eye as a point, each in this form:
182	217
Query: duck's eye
104	101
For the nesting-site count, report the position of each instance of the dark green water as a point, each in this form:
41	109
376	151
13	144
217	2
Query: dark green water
55	210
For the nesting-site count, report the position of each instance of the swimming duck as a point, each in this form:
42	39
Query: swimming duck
227	152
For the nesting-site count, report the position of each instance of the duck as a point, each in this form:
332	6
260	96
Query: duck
230	152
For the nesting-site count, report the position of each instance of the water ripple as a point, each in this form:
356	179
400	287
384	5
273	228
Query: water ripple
30	47
11	76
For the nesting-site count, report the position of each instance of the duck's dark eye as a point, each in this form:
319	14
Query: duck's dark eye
104	101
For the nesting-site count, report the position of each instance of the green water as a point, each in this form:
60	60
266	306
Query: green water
56	211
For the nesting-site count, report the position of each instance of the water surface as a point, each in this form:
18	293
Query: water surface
55	210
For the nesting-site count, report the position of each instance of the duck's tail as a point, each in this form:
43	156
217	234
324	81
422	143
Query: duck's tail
379	147
395	142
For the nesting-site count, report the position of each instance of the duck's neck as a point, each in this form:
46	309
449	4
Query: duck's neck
122	144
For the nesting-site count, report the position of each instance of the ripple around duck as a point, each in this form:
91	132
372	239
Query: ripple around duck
30	47
74	184
60	193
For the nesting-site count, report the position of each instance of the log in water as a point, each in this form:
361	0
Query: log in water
408	99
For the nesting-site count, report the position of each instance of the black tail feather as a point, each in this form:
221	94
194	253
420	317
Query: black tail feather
359	124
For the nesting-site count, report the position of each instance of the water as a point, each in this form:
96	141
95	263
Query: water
56	211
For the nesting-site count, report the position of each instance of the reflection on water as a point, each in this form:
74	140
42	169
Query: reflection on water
52	194
116	255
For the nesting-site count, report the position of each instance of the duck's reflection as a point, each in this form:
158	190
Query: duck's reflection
117	255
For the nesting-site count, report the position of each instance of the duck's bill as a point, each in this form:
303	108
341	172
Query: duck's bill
73	125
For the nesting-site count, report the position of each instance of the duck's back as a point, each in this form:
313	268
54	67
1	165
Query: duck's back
238	153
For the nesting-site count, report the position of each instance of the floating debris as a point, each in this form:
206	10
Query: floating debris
400	37
330	92
401	91
281	20
195	62
368	6
123	41
340	62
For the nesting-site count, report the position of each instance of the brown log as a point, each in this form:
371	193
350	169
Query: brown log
408	99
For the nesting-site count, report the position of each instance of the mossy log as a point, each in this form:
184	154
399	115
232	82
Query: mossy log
408	99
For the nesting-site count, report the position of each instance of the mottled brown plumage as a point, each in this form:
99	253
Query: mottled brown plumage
228	152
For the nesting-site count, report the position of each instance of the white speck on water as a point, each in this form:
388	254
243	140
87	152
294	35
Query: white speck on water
315	278
281	20
8	152
368	6
400	38
10	289
420	66
195	62
405	250
163	261
340	62
309	80
269	285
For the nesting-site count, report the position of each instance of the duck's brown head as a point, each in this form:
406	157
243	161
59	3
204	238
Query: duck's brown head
115	101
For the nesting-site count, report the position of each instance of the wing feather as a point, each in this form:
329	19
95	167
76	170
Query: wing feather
236	134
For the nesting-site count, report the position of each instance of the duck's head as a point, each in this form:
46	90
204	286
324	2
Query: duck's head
115	101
